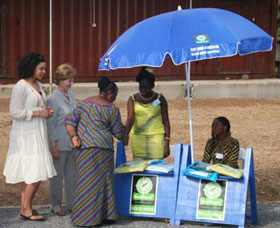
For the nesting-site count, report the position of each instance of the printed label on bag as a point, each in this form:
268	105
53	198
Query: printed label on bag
219	156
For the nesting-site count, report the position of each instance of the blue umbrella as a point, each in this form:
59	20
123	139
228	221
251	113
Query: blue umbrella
185	36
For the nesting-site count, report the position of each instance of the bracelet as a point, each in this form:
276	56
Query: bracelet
167	138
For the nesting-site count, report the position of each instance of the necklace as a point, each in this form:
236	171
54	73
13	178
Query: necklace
146	99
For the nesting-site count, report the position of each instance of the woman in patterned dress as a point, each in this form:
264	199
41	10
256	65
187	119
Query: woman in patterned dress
221	148
92	126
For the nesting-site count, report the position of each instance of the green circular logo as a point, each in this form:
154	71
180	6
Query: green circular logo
144	185
212	190
201	37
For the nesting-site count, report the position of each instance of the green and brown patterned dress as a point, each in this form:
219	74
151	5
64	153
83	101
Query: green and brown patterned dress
229	150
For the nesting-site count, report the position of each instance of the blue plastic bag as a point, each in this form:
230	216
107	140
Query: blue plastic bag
198	170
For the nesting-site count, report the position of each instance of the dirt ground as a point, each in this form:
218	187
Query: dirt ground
255	123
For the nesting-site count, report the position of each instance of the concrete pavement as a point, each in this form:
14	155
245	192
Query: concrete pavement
268	216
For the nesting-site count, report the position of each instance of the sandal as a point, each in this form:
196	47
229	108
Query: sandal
34	212
58	212
30	217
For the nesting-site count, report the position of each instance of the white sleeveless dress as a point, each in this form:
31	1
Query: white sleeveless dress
29	159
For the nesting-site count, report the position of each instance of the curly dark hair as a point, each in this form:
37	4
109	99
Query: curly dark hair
28	63
105	84
145	75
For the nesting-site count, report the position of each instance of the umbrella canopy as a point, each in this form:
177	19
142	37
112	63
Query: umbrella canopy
185	35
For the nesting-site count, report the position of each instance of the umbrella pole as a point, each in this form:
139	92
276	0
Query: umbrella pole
50	48
188	75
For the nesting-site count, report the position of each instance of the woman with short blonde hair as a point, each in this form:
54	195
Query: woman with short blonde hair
63	72
62	101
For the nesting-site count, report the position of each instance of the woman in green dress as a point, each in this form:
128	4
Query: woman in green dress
147	120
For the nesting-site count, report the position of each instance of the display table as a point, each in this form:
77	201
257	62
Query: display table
223	202
147	194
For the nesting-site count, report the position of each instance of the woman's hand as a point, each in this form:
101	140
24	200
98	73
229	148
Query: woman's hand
76	141
54	150
166	149
46	113
125	140
50	111
43	113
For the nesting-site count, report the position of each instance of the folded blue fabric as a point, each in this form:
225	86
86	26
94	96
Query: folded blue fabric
155	161
198	170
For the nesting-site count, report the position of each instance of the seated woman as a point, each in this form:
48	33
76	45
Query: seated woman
221	148
147	120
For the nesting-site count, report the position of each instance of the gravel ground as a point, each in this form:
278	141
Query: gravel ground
269	216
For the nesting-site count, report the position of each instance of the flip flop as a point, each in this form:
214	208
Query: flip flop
30	217
34	212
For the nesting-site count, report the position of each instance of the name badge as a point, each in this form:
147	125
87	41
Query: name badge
219	156
156	102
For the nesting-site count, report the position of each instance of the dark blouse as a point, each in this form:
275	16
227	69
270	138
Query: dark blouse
229	149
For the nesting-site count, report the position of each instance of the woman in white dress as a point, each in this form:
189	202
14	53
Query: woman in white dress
29	160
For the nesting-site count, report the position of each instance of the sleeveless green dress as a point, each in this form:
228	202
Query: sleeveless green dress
147	133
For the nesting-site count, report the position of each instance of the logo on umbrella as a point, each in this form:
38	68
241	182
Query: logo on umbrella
201	39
